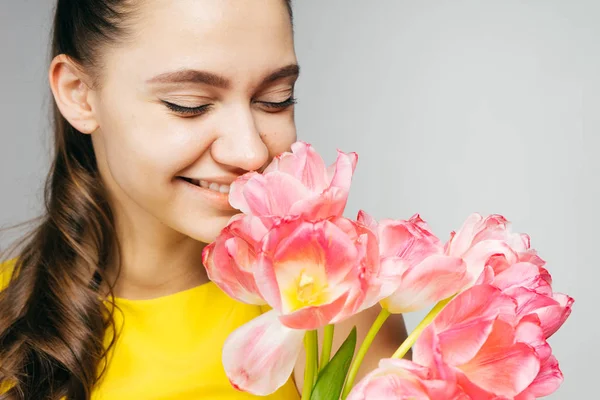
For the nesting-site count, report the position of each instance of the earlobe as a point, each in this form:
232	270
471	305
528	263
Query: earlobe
72	94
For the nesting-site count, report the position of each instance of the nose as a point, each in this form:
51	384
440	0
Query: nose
239	143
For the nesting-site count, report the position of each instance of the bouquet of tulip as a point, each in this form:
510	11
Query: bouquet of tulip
291	249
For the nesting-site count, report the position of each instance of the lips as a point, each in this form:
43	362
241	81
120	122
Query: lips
214	186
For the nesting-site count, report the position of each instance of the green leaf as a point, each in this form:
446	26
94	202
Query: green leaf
331	379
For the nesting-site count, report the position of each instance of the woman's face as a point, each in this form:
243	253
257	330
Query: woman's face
202	94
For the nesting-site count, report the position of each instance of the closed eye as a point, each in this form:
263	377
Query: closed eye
279	106
187	110
199	110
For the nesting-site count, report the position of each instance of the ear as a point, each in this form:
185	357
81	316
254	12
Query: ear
72	94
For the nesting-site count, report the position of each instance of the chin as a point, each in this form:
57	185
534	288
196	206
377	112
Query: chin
204	230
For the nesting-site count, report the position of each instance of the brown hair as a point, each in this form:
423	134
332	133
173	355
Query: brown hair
53	321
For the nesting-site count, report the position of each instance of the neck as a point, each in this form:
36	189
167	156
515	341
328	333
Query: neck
154	260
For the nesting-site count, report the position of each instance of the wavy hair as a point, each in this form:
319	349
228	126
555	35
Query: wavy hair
53	319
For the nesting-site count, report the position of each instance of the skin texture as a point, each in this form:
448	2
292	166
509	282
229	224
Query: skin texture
142	146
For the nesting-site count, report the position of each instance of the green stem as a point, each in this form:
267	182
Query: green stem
362	351
327	343
316	357
310	370
412	338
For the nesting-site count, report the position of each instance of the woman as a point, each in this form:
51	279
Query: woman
159	106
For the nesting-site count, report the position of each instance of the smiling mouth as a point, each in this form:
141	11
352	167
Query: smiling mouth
215	187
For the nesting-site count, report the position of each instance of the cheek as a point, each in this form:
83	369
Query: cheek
144	149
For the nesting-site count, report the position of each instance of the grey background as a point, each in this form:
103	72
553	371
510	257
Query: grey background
453	106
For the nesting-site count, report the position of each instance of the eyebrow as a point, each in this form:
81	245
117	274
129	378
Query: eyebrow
211	79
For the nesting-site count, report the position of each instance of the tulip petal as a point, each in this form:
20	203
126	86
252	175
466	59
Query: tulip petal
529	331
322	246
504	372
306	264
486	277
259	357
314	174
529	300
270	276
304	164
495	227
309	318
378	288
548	380
436	278
477	229
419	371
462	239
531	256
474	391
393	269
345	165
329	203
242	285
523	274
408	240
478	256
274	193
403	379
236	192
501	366
388	386
481	302
367	220
464	324
251	229
295	184
552	311
372	287
229	263
394	379
426	350
554	316
460	344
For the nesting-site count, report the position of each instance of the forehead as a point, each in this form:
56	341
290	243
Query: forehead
230	37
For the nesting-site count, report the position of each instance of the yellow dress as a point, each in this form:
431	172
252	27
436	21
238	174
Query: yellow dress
170	348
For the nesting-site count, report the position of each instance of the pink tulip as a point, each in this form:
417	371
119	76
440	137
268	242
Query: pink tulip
231	259
477	229
530	286
493	352
317	273
487	243
505	260
296	183
413	264
402	380
260	356
546	382
310	273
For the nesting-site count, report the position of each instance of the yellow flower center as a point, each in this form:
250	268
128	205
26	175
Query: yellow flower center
307	290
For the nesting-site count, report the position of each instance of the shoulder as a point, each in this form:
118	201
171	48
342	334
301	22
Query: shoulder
6	271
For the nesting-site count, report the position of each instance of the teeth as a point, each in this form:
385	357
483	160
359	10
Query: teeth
211	185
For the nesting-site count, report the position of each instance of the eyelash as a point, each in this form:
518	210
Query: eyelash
290	101
202	109
187	110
